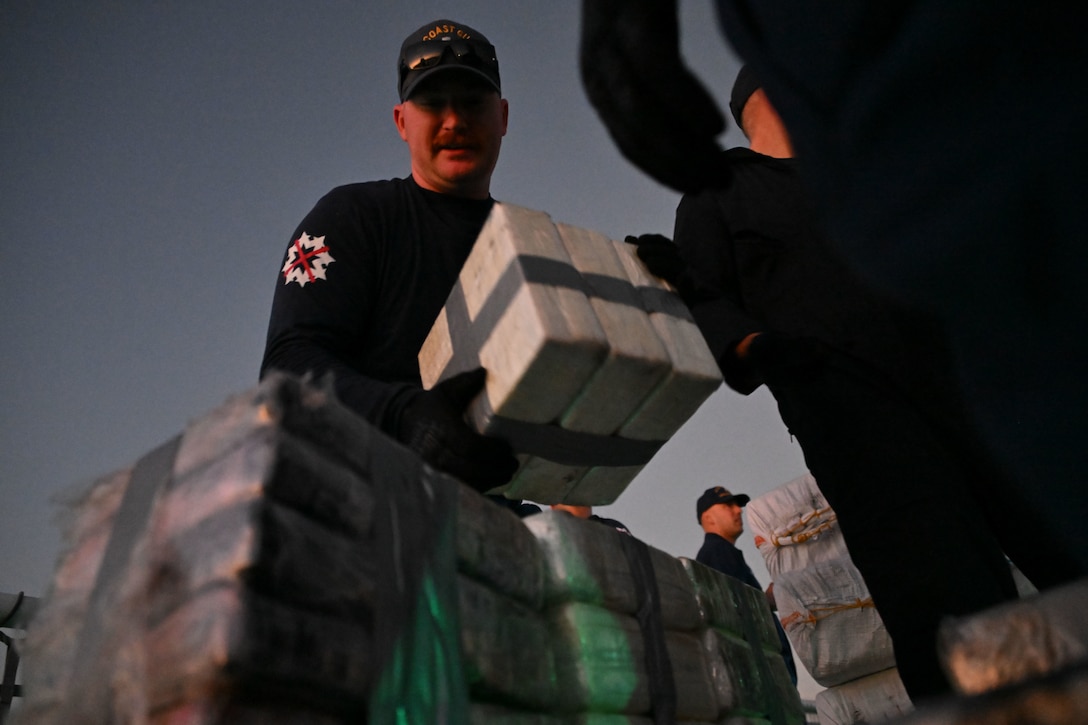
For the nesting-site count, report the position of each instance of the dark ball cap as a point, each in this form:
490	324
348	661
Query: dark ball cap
718	495
443	46
743	87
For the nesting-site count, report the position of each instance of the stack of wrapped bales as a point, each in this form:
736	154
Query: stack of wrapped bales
825	606
281	561
637	634
741	644
231	560
593	364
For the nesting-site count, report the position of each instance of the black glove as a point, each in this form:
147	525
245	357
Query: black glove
662	257
783	360
433	424
658	113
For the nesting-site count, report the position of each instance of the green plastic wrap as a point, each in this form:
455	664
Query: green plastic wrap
420	679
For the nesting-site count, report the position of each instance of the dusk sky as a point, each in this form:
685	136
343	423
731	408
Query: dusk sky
154	160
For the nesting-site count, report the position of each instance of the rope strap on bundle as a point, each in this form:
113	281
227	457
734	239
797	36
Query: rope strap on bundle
815	614
798	533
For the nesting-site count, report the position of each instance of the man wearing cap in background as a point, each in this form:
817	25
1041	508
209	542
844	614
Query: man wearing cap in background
721	514
867	387
369	268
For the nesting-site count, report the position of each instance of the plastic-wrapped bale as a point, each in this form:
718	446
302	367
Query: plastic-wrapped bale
236	569
1057	699
507	649
217	712
831	622
871	699
610	630
504	637
691	374
588	562
793	526
601	665
495	548
48	643
490	714
742	649
1016	641
573	360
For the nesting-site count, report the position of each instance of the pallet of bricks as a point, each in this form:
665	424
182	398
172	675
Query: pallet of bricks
282	561
825	607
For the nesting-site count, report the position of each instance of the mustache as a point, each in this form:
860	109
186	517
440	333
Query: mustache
454	142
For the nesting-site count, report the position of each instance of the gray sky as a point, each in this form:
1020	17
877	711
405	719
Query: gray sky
154	160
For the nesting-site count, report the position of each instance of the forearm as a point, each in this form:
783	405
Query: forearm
378	401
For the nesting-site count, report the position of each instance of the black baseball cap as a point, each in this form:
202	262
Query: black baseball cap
743	87
441	46
718	495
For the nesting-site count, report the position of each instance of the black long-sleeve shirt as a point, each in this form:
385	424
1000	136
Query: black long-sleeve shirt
363	279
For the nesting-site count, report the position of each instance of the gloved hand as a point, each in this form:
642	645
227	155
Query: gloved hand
662	257
660	116
783	360
433	424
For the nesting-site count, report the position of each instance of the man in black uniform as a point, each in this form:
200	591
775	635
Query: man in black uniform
945	144
720	513
867	387
369	268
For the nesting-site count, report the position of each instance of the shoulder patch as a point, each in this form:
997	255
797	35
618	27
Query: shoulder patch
307	258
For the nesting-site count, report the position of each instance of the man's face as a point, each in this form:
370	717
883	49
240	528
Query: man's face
453	124
726	520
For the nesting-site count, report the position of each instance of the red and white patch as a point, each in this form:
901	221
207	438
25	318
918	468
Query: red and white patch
307	259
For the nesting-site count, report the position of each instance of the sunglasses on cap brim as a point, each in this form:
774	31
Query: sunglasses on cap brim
426	54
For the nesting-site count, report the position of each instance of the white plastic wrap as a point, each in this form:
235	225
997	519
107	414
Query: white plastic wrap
831	622
870	699
793	526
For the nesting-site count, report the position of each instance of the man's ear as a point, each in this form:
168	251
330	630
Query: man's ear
398	120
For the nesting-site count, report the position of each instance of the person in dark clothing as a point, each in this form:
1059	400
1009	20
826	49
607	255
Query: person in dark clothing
867	387
370	267
944	143
586	512
720	513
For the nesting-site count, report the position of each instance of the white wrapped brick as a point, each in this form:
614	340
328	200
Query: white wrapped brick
793	526
831	622
870	699
540	341
695	374
576	364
